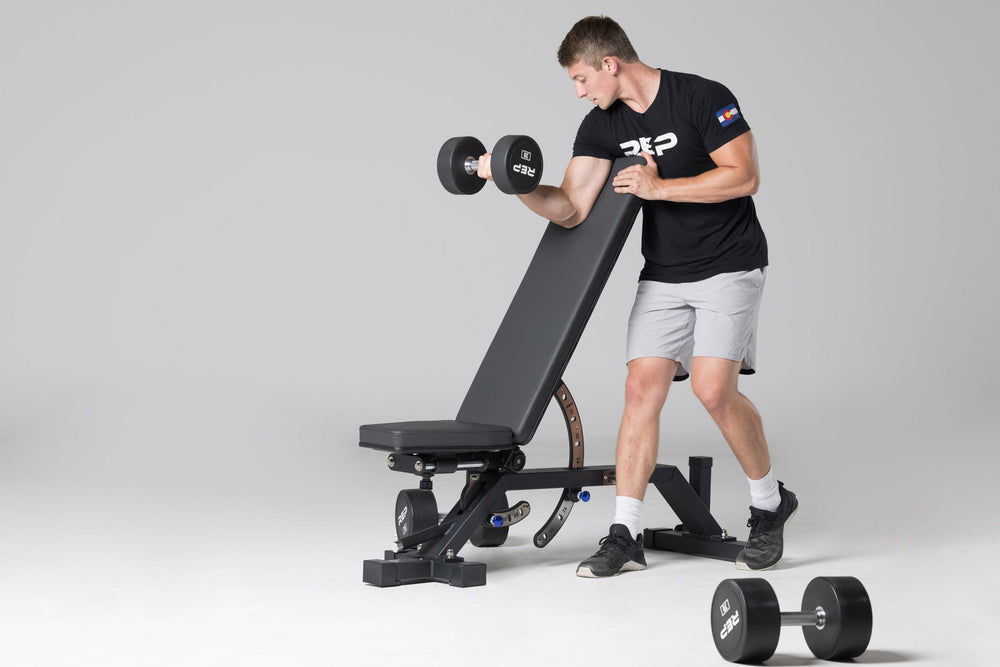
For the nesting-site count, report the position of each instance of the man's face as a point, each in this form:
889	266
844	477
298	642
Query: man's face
597	85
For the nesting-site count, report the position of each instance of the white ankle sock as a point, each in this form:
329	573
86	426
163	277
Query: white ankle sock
764	492
627	513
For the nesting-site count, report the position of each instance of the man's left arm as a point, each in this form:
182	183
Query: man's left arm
736	174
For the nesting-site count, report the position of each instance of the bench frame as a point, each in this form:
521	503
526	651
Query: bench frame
507	399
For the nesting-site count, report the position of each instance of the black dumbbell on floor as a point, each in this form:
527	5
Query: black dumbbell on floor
836	619
516	164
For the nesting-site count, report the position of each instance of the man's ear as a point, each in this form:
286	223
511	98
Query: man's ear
610	65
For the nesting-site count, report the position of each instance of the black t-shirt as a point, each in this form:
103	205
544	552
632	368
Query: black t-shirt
689	118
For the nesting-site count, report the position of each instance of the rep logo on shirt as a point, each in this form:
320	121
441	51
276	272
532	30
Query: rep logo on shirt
650	145
727	115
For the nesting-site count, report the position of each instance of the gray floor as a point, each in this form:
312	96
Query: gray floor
212	526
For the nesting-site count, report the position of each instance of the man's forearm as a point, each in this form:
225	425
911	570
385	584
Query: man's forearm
713	186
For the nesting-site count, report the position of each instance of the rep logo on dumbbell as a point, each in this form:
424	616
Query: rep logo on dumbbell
516	165
836	619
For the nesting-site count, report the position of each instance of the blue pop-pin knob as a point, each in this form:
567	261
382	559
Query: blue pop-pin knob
585	496
497	520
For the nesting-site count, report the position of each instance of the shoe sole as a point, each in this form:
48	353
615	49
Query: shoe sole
746	568
630	566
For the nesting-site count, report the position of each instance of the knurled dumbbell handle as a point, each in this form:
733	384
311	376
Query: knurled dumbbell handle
471	165
817	618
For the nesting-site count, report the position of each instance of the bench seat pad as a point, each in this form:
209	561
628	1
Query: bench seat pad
436	437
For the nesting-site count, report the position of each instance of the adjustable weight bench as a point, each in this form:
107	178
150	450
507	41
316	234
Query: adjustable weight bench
521	371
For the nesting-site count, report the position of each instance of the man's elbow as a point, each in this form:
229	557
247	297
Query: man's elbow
574	219
569	223
752	184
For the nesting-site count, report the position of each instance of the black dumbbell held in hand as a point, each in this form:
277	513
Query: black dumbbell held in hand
836	619
516	165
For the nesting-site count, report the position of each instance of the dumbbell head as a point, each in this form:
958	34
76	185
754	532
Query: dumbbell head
453	164
516	164
847	617
746	622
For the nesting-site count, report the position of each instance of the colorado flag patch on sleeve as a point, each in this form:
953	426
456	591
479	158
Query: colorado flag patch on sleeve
728	115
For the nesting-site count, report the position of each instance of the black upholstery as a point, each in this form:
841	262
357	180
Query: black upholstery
444	436
535	340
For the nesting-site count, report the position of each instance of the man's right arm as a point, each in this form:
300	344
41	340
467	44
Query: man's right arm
569	204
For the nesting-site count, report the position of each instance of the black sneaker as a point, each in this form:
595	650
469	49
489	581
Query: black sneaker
766	542
618	553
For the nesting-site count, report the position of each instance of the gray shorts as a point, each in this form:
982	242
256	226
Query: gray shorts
715	317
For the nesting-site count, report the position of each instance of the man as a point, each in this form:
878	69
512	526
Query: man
696	306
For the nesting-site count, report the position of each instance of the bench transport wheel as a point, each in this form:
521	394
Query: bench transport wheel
416	510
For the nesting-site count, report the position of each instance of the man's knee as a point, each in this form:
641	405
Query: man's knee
648	382
714	382
715	393
711	394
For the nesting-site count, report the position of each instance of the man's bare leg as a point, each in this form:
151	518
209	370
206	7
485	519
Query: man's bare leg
714	382
646	390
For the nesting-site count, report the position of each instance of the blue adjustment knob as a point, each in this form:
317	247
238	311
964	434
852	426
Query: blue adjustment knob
585	496
497	521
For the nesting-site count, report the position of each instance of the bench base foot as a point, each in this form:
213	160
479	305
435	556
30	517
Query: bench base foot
401	568
681	541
